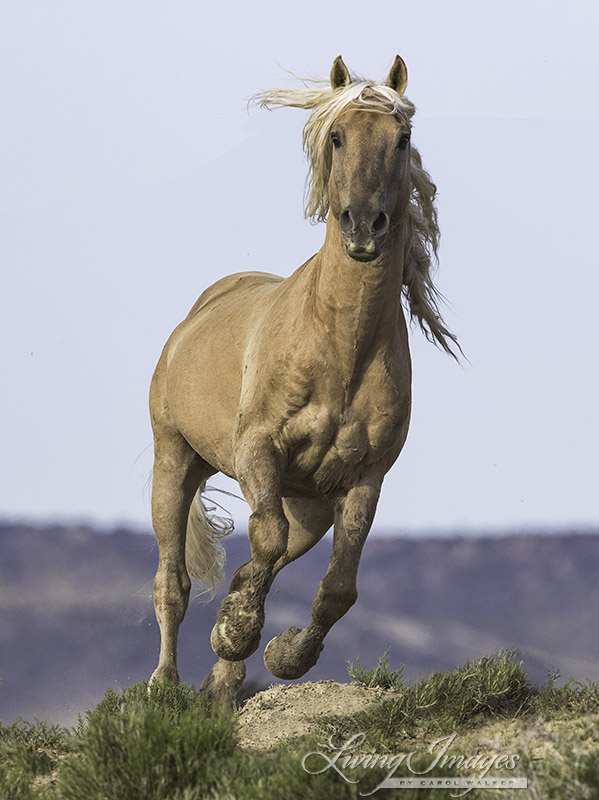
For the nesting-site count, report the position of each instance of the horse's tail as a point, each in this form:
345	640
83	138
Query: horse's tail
204	553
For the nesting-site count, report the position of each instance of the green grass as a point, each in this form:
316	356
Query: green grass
166	743
382	676
29	750
444	701
153	743
162	743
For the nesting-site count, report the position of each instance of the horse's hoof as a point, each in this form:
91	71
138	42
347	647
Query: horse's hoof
236	634
291	654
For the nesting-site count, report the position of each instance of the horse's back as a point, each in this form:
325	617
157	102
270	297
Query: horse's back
221	313
232	287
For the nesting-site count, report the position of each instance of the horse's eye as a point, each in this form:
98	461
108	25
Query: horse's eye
404	141
335	139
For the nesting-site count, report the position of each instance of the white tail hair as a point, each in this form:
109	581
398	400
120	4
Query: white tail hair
204	553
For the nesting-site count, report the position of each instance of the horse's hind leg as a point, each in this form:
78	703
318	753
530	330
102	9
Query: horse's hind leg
178	472
309	520
223	682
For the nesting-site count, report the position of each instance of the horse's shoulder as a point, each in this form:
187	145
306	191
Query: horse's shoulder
238	282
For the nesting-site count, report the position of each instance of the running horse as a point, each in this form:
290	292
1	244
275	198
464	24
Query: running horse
299	387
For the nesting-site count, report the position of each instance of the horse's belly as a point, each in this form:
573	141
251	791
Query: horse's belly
204	411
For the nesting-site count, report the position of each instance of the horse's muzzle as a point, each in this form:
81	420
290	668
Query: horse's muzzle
364	234
362	252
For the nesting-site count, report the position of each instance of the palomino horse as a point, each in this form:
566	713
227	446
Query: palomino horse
299	388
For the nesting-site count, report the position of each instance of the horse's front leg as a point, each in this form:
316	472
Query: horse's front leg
292	653
236	634
309	519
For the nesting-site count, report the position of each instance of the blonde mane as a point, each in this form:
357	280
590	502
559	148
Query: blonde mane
422	297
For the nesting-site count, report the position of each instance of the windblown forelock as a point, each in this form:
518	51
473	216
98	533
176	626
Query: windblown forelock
422	241
326	104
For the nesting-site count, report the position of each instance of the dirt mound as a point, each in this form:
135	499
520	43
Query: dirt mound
283	713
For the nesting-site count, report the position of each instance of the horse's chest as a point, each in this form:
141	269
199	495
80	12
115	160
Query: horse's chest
329	441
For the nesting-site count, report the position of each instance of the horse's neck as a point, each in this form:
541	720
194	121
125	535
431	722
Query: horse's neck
359	304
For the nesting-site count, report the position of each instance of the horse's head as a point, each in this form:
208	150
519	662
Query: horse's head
367	180
369	183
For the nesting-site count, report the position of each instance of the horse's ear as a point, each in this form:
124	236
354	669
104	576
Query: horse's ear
339	74
398	76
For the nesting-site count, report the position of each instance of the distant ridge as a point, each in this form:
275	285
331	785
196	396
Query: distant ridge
77	616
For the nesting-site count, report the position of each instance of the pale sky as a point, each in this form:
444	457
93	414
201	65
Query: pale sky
133	177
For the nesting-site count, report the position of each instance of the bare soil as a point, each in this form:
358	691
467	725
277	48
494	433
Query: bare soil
286	712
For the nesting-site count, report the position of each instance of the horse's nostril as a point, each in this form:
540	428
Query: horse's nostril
381	223
345	220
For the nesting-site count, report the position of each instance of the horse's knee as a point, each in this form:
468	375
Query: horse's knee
268	532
